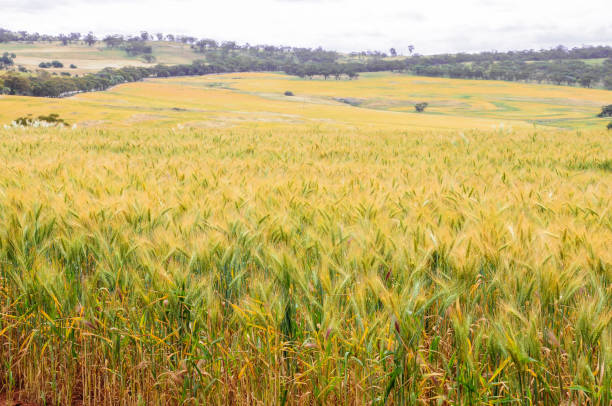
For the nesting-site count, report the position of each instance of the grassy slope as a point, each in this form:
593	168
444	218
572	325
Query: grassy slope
387	101
95	58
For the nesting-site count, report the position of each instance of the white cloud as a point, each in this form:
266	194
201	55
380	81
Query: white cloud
30	6
346	25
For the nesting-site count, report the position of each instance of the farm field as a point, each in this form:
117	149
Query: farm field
209	240
380	100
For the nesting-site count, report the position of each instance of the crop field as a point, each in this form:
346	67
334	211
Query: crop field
211	241
378	101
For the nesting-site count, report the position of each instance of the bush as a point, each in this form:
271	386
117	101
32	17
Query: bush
420	107
610	125
289	93
6	60
73	66
52	64
606	111
51	119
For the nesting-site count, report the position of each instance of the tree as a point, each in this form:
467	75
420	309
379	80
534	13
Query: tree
587	80
411	49
606	111
393	52
205	44
229	46
17	84
90	39
610	126
134	48
7	60
159	36
113	41
420	107
144	35
188	39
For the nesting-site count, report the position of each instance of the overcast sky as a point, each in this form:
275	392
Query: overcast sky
346	25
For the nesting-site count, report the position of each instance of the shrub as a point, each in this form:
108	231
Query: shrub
289	93
51	119
73	66
610	125
52	64
420	107
606	111
6	59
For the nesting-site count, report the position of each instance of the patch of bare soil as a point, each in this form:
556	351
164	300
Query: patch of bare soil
5	401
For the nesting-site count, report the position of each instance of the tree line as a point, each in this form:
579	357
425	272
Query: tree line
46	85
557	65
89	38
558	72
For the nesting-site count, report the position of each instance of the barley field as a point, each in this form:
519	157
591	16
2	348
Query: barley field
382	101
207	241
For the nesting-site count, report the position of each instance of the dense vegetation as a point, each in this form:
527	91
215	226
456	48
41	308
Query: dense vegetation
248	266
558	65
46	85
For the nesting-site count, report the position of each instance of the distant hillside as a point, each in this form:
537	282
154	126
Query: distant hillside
94	58
44	60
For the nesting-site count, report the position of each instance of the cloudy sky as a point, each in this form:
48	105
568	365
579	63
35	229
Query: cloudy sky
345	25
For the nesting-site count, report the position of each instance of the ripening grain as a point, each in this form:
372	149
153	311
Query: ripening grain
299	264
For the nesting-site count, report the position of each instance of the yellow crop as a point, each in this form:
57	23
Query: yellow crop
258	250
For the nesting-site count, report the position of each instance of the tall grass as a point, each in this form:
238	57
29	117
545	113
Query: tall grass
305	266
